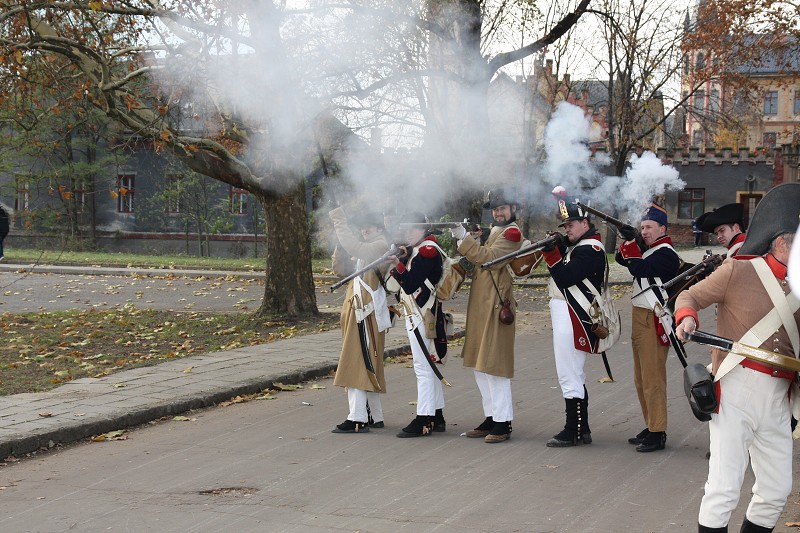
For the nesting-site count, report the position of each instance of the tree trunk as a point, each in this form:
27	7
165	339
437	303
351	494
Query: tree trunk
289	285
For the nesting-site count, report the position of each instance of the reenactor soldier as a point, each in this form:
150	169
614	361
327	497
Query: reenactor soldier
726	223
489	343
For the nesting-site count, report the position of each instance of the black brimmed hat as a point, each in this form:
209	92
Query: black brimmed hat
498	197
777	213
727	214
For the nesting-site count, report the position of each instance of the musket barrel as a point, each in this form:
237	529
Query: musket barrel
392	251
525	250
431	224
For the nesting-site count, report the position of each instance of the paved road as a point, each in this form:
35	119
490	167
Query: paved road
275	466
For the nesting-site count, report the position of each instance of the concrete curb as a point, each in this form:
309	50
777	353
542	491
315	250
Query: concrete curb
72	430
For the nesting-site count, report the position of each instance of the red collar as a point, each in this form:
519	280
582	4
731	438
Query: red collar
666	239
778	268
736	240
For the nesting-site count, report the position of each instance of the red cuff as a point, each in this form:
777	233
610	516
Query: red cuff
630	250
683	312
400	268
552	257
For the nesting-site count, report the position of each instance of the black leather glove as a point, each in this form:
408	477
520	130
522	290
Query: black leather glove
558	240
628	233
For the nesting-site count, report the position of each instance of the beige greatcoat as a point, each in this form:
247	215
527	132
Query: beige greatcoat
351	371
488	344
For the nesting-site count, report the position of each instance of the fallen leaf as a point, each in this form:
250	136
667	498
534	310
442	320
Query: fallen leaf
118	434
119	385
183	419
281	386
45	414
266	397
317	386
605	380
188	370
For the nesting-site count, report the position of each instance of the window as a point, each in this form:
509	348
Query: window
700	101
697	138
691	203
713	101
771	103
770	139
23	200
173	193
79	196
686	64
701	60
126	189
797	102
238	201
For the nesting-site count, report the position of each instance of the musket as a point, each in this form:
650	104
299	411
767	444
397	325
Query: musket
433	225
687	275
525	250
614	222
393	250
749	352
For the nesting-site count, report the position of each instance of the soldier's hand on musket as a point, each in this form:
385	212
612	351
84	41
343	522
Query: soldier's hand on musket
458	232
558	240
686	328
628	233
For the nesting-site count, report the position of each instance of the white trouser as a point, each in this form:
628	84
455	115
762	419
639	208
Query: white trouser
495	396
358	398
569	360
430	392
753	419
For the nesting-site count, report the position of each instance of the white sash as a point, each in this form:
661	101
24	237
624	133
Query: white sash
771	322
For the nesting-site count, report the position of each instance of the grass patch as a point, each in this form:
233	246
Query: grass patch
178	262
43	350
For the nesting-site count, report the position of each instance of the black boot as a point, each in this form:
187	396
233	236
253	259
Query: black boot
499	433
572	434
586	433
421	426
482	430
348	426
439	425
749	527
704	529
655	440
639	437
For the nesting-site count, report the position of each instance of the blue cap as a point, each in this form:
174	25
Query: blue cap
656	213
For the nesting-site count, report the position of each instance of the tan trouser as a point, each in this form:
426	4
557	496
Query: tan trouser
649	369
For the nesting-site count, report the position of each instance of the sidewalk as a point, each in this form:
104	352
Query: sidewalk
91	406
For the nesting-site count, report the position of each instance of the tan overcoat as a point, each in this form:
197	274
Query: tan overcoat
351	371
488	344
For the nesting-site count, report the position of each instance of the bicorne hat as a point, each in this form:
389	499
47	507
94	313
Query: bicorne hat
777	213
727	214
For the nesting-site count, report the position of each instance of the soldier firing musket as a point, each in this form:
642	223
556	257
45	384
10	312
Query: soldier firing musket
394	250
525	250
690	276
626	230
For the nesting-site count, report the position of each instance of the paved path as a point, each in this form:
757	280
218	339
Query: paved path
299	473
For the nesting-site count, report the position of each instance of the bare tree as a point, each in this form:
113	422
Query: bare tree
137	60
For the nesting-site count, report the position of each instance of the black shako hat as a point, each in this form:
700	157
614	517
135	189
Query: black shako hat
567	211
777	213
727	214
